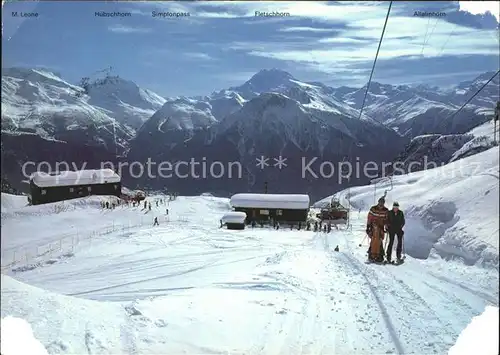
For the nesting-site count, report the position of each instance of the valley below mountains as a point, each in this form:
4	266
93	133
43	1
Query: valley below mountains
272	115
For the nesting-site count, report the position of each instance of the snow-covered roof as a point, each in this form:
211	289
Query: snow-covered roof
234	217
284	201
72	178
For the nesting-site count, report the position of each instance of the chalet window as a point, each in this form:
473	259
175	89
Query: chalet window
71	189
44	192
264	212
116	186
89	188
279	212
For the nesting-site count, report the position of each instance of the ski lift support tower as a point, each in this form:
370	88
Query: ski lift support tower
385	191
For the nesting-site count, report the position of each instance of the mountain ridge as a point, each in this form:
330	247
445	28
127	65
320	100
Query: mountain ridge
118	115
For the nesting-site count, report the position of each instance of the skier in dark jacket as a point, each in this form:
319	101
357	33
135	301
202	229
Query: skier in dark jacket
395	223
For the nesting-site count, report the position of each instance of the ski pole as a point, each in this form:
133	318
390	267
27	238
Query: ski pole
403	245
360	244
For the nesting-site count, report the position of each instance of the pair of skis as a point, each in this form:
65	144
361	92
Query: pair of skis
385	262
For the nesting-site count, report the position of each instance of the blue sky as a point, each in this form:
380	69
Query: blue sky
223	44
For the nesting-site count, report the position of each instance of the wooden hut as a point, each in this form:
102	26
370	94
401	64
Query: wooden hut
66	185
234	220
263	208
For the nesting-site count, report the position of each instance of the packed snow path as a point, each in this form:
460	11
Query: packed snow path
188	286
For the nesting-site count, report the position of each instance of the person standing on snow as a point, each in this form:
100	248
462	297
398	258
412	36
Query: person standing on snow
377	215
396	222
156	222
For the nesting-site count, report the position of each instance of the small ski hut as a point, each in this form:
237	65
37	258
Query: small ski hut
234	220
263	208
66	185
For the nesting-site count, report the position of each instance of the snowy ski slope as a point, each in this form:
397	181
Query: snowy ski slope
189	287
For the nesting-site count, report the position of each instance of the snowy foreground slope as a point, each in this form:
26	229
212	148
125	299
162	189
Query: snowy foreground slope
187	286
452	210
480	336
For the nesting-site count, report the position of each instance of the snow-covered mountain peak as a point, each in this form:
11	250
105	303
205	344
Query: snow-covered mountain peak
33	75
228	95
303	124
271	100
270	77
267	80
266	109
477	82
37	100
125	91
181	113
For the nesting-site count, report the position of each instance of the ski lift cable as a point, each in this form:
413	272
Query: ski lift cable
430	35
348	197
432	32
375	61
446	42
441	51
473	96
425	37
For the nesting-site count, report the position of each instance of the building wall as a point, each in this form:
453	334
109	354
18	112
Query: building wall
61	193
280	215
236	226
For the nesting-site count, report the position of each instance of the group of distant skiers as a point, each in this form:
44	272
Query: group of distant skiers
110	205
327	227
383	221
147	205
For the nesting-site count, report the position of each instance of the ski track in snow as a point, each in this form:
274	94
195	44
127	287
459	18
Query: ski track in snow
291	292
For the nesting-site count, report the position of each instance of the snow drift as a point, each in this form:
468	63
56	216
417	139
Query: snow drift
61	315
480	336
18	338
12	202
